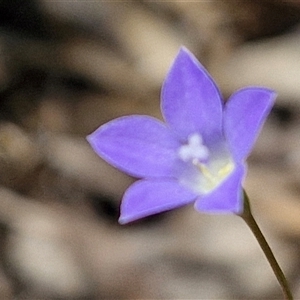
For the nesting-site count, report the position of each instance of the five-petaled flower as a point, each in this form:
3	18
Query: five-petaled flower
198	154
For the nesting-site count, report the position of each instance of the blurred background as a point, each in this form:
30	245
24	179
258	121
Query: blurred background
66	67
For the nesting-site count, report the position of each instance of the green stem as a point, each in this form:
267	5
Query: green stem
247	216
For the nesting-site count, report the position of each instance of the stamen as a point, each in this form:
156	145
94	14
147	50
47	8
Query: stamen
207	174
226	170
210	168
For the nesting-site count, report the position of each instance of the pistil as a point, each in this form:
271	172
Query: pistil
211	171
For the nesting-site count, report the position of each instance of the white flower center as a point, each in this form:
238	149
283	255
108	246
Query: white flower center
205	169
194	150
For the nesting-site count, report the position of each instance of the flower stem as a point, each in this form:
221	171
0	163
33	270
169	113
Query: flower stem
247	216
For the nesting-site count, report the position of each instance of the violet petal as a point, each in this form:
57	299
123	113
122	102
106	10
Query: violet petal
191	102
244	115
226	198
148	197
141	146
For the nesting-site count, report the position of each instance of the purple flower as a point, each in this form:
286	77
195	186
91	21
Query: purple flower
198	154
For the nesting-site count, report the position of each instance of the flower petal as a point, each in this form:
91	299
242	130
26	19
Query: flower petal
244	114
227	197
148	197
141	146
191	102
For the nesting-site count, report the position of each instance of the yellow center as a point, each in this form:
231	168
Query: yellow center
210	170
213	179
